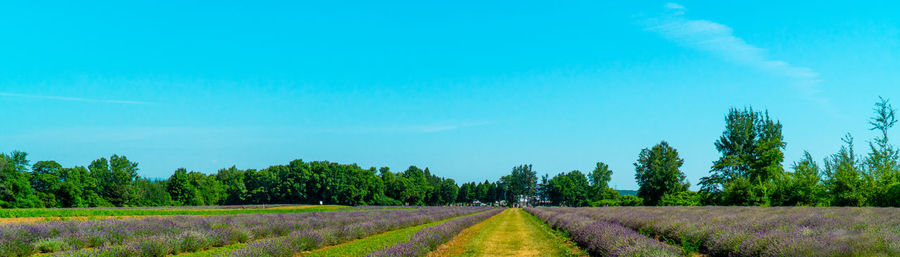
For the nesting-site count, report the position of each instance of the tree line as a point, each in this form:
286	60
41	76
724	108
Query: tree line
114	182
748	172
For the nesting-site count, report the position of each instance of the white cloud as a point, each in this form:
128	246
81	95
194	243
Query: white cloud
679	9
72	99
719	40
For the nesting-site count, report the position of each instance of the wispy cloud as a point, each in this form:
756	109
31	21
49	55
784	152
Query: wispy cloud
719	40
424	129
72	99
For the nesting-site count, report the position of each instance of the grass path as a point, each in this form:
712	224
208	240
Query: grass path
364	246
513	232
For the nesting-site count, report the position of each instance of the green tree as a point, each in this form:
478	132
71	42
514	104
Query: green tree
46	182
210	190
486	192
115	178
843	176
683	198
81	178
233	181
521	182
415	186
181	190
600	177
449	191
657	173
151	192
15	189
803	186
883	172
570	189
751	148
466	193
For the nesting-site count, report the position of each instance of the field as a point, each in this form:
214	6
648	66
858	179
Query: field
459	231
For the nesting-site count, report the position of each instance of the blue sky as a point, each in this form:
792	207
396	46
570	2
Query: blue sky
465	88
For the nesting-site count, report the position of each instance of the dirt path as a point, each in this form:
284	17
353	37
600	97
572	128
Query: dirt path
510	233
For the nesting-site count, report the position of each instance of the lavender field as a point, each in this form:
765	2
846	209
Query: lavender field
264	234
730	231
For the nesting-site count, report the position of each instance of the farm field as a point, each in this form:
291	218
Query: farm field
730	231
282	234
13	215
472	231
513	232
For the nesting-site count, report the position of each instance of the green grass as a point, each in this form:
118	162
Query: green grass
364	246
28	213
513	232
564	241
213	251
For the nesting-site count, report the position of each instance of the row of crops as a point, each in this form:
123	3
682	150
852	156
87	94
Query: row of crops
730	231
180	210
264	234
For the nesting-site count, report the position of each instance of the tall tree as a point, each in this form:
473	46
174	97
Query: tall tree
46	181
181	190
521	182
883	173
115	178
448	191
600	177
657	173
804	186
15	189
570	189
233	181
843	176
150	192
751	148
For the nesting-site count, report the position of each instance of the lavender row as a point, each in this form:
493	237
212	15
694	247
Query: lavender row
603	238
429	238
27	239
307	240
349	222
758	231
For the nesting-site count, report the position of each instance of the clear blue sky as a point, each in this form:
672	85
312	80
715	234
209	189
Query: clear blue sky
465	88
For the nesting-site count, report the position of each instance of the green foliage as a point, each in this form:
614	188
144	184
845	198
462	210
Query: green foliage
15	187
657	173
623	200
151	192
600	176
751	148
883	167
49	245
743	191
803	187
843	176
683	198
570	189
521	182
114	178
233	182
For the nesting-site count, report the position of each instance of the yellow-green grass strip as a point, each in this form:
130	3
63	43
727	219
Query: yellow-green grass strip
364	246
